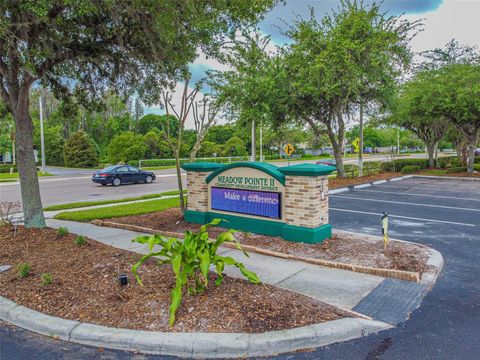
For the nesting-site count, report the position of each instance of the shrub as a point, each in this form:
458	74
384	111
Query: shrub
409	169
371	167
190	260
5	168
46	279
79	151
448	161
80	240
62	231
307	156
351	170
398	165
476	160
24	269
456	169
476	167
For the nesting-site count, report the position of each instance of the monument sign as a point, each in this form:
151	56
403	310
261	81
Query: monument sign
290	201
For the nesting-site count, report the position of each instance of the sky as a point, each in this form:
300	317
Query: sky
443	20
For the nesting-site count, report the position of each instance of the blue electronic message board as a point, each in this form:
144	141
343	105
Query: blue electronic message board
259	203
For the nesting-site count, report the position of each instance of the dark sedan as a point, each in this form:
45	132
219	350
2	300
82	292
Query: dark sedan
122	174
329	162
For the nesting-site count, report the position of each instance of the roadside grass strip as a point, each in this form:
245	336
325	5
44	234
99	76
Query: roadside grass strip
119	210
81	204
14	176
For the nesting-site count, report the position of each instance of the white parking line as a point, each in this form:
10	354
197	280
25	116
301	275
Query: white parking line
403	217
405	203
417	186
416	194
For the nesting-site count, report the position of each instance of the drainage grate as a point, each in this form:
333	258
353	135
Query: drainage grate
392	301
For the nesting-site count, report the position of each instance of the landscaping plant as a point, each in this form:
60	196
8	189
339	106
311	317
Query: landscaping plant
6	210
62	231
190	260
80	240
24	269
46	279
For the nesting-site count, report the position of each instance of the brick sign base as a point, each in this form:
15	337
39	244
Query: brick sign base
290	202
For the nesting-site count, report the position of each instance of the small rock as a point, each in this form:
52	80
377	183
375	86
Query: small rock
4	268
190	309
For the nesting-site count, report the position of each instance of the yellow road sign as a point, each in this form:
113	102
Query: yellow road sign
289	149
356	145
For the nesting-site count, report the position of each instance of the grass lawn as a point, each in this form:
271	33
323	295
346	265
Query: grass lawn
14	176
119	210
158	167
434	172
79	204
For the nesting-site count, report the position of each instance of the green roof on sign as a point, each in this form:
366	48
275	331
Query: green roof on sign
201	166
307	170
270	169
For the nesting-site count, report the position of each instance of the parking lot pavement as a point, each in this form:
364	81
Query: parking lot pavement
445	326
443	214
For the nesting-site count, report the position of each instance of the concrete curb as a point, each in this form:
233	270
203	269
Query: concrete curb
364	185
339	190
462	178
435	266
190	345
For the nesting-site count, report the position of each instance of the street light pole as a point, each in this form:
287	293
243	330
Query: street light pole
398	141
261	143
254	145
42	141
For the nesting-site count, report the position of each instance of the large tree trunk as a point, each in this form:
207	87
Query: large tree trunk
431	154
179	180
471	154
338	154
31	200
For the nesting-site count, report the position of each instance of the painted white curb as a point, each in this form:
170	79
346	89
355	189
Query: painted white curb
379	182
191	345
362	186
336	191
396	179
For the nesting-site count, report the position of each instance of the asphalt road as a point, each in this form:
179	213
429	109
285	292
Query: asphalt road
79	187
444	214
70	185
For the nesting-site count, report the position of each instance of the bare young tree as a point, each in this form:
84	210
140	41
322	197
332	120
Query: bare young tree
186	105
204	117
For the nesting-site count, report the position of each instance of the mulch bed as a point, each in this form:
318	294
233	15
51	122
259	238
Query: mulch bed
459	174
336	183
355	250
85	288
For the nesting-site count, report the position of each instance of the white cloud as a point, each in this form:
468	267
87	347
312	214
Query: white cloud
454	19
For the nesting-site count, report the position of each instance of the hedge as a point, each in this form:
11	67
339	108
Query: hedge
410	169
448	161
476	160
398	165
351	170
171	162
5	168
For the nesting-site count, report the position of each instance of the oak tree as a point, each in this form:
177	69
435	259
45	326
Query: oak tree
92	45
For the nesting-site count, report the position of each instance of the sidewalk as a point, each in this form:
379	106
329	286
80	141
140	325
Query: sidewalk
340	288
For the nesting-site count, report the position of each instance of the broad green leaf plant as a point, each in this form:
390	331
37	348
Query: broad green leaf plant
191	260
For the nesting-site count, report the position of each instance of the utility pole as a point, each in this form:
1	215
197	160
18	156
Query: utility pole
254	145
261	143
360	150
42	141
398	141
